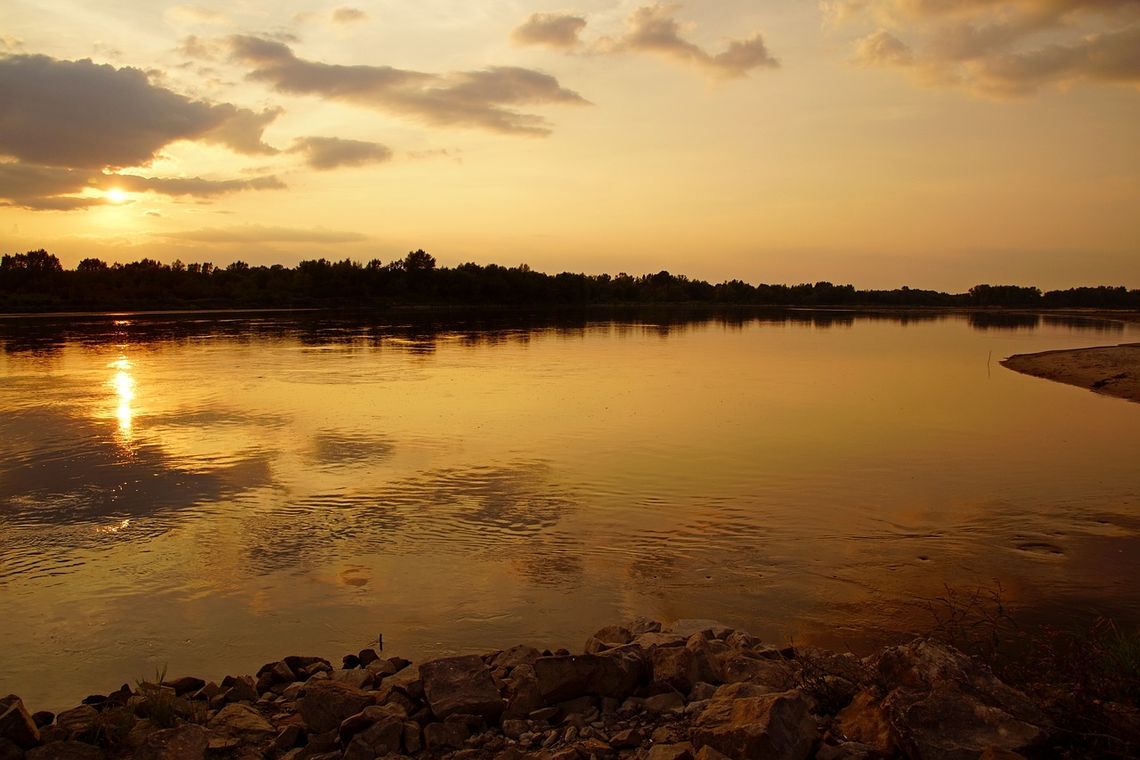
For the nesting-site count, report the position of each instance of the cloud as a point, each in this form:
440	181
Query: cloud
550	29
332	152
79	114
193	15
881	48
179	186
485	99
255	233
348	15
999	48
651	29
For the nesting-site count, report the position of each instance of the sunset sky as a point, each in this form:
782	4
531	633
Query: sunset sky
931	143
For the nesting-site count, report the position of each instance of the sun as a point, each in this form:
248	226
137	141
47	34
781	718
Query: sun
115	195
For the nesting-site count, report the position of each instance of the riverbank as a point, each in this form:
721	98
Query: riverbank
1111	370
693	690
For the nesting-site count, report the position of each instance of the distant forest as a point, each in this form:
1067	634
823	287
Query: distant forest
36	282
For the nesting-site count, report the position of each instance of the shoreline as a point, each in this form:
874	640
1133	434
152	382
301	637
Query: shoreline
693	690
1108	370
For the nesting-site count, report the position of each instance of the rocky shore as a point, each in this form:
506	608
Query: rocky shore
694	690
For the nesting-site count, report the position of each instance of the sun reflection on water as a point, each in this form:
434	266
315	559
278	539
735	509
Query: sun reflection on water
124	385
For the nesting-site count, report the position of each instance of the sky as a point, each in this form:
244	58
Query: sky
929	143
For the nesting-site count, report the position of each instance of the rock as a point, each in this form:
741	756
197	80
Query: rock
628	739
43	718
776	726
413	737
522	691
947	722
993	753
379	739
674	667
444	736
186	742
705	668
16	725
649	641
710	628
738	690
865	721
564	677
740	640
671	752
515	656
461	685
708	753
738	667
185	685
324	704
357	677
9	751
701	691
65	750
641	625
408	680
349	661
846	751
663	703
367	657
944	704
368	717
239	689
513	729
287	738
77	721
241	721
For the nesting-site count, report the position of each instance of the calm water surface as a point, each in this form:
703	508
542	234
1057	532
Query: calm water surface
212	493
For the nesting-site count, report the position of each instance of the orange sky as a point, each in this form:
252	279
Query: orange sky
879	142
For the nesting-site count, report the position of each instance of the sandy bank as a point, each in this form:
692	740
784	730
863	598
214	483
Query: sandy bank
1112	370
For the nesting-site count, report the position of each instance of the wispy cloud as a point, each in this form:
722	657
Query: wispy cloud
649	29
486	99
347	15
997	48
255	233
325	153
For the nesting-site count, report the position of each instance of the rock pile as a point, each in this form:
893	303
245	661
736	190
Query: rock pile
695	690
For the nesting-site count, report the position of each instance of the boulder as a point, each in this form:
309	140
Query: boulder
241	722
655	639
674	667
615	674
744	667
239	689
186	742
641	625
608	638
9	751
683	751
379	739
461	685
77	721
710	628
522	691
775	726
445	736
185	684
16	725
948	723
407	680
368	717
324	704
865	721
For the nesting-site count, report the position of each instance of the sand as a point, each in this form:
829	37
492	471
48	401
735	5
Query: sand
1111	370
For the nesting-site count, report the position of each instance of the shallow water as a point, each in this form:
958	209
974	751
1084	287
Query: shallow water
209	493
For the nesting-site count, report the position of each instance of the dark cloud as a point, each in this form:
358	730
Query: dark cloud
348	15
551	29
332	152
651	29
485	99
1000	48
80	114
254	233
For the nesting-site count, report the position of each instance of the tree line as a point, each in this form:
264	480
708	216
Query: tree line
36	281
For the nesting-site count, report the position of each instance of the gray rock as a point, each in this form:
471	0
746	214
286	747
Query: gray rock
775	726
77	721
16	725
461	685
185	742
243	722
324	704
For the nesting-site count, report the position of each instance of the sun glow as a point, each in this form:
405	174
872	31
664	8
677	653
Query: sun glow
116	195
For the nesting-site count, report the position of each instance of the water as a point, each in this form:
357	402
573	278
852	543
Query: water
212	492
